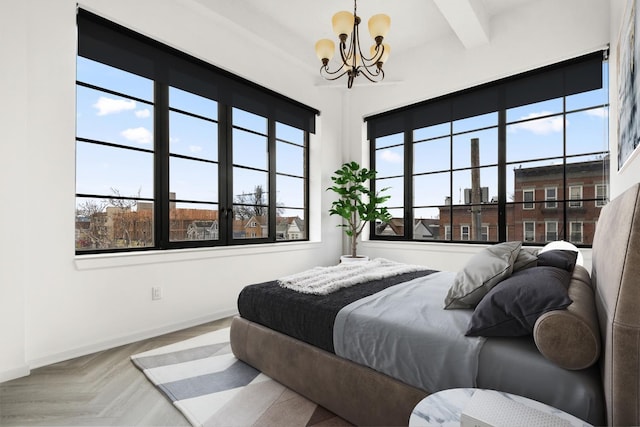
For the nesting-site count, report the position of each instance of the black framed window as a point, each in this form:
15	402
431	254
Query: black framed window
478	164
172	152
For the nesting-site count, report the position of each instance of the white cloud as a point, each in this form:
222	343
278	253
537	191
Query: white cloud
106	105
195	148
540	126
602	113
140	135
143	114
390	156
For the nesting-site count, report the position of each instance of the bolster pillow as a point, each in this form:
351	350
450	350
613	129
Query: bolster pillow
571	337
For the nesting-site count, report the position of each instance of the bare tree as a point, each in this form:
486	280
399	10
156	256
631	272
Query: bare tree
94	211
122	218
248	205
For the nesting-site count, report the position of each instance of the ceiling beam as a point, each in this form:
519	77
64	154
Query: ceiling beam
467	19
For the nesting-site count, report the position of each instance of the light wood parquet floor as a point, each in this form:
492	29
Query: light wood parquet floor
103	389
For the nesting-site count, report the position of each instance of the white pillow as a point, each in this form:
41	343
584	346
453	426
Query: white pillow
561	244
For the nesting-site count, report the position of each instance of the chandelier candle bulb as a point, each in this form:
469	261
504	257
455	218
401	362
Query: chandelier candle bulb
343	23
325	49
379	26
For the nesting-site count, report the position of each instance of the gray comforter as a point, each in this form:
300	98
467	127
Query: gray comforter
405	333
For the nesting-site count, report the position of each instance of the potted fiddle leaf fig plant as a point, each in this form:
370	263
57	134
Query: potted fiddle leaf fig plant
357	203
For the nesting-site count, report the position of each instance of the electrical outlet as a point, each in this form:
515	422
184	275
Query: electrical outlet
156	293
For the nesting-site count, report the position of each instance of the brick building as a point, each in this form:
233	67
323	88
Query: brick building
536	211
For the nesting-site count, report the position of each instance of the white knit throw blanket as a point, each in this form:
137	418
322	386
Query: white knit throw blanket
325	280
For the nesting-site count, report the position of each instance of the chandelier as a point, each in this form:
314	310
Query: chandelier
353	62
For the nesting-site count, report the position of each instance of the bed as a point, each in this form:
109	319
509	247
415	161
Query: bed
280	333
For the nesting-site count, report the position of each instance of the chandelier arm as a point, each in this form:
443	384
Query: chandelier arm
328	75
375	58
374	78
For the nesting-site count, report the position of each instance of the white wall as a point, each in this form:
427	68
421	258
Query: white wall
54	305
13	108
541	33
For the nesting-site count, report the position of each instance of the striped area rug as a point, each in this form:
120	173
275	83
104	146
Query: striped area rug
212	388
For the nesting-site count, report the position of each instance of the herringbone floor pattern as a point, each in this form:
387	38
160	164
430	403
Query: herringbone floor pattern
104	388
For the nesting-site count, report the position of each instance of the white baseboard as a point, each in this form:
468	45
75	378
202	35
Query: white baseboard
12	374
127	339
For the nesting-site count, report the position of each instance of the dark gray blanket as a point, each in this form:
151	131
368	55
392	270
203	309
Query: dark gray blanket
308	318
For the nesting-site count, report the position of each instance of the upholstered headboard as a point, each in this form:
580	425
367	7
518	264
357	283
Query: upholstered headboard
616	278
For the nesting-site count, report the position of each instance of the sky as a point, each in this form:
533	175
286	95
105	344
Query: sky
129	122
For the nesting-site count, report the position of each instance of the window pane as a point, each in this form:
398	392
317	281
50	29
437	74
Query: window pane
474	222
193	221
551	231
250	187
290	192
98	74
486	142
103	223
193	180
602	194
432	156
395	227
580	232
191	103
251	222
390	162
110	118
426	224
249	121
291	225
250	149
533	175
434	131
110	171
535	139
431	189
290	159
587	131
193	137
487	186
387	141
538	109
395	189
289	134
475	122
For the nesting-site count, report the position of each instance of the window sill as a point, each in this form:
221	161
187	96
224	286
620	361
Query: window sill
111	260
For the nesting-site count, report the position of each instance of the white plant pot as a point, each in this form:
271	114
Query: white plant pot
349	258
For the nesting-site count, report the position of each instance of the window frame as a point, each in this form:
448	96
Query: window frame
571	232
546	231
524	231
601	201
121	45
528	204
463	233
551	202
441	112
575	202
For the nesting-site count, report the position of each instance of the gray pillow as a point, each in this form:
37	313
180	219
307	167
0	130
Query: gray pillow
481	273
560	258
527	258
512	308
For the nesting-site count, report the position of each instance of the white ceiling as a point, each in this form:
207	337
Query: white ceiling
295	25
